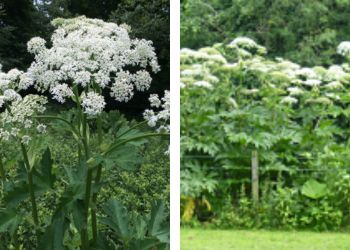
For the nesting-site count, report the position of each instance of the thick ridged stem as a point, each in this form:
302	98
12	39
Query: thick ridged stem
31	189
97	181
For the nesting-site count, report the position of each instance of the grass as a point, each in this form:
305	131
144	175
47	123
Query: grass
203	239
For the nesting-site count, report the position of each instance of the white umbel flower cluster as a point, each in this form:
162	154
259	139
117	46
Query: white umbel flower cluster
162	117
8	84
93	103
60	92
246	46
344	48
91	52
289	100
16	121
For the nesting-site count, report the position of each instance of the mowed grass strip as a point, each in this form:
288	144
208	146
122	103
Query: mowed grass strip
203	239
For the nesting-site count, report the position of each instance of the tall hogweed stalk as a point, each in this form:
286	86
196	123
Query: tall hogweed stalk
87	59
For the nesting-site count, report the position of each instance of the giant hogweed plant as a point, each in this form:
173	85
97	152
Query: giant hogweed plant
86	59
236	101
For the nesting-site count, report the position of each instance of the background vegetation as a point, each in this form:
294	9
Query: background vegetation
304	31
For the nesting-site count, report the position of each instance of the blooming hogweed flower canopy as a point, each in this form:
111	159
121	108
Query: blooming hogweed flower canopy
93	55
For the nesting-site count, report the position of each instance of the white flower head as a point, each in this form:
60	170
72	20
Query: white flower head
23	109
25	81
203	84
4	135
92	103
14	74
90	52
26	139
334	85
308	73
312	82
83	78
289	100
36	45
161	117
154	100
2	100
295	91
343	48
142	80
11	95
41	128
61	92
122	92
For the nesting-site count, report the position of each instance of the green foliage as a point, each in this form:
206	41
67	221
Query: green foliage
59	179
135	232
236	100
313	189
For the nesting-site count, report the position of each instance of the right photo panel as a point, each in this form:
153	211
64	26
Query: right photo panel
265	124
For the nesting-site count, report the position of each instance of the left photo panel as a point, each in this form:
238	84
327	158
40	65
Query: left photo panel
84	124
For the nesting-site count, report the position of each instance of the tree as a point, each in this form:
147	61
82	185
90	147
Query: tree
19	21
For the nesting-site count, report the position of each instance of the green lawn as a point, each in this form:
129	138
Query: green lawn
197	239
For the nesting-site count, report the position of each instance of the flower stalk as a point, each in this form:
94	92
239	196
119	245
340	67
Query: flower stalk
31	189
97	181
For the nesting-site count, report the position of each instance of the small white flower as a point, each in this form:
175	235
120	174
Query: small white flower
122	92
28	124
92	103
332	96
2	100
312	82
14	131
294	91
142	80
61	92
14	74
41	128
308	73
343	48
250	91
82	78
25	81
11	95
4	135
203	84
26	139
154	100
162	117
289	100
333	85
36	45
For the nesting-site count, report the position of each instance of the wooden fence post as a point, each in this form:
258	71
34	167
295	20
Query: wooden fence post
255	177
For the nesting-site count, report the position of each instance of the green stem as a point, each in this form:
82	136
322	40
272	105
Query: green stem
85	234
2	170
15	240
31	189
97	181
